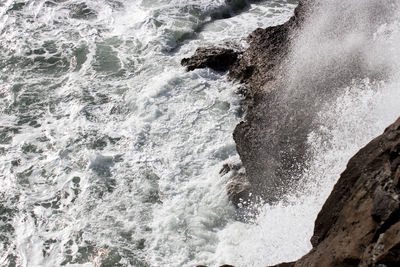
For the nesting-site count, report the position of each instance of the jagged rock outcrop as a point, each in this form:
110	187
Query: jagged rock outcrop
285	90
216	58
267	49
359	224
271	140
269	145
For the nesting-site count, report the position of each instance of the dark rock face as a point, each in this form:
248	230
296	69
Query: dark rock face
239	190
285	90
271	141
269	144
216	58
282	100
268	48
359	224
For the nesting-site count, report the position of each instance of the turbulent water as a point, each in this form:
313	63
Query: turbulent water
110	151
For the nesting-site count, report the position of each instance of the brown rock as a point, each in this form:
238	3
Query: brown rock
359	223
388	247
385	204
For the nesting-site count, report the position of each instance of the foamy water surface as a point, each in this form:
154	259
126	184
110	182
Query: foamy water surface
110	151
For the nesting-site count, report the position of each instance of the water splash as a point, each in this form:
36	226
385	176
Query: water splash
347	60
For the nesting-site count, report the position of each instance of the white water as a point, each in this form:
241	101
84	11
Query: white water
110	151
361	111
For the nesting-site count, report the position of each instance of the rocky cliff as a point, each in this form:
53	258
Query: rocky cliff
359	225
271	138
289	72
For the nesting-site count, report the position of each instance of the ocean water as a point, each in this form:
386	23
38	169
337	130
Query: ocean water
110	152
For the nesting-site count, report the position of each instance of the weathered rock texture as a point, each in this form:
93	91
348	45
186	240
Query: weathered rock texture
267	49
216	58
271	139
285	90
359	224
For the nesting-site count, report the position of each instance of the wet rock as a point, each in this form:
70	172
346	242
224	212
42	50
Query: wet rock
216	58
239	191
271	141
283	100
359	224
267	49
238	188
230	167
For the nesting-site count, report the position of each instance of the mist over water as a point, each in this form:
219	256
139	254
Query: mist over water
110	151
343	74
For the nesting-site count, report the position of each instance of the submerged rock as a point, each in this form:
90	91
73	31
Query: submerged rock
216	58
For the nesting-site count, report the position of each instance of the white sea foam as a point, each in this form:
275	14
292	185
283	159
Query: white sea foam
110	150
282	231
349	119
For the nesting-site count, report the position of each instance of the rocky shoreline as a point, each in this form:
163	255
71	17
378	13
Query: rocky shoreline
359	224
266	116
